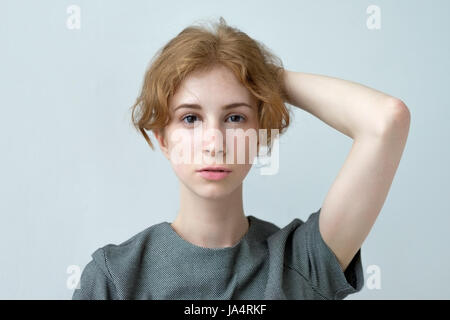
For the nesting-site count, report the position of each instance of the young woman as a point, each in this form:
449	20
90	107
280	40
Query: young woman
223	81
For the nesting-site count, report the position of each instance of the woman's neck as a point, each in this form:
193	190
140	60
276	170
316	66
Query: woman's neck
211	223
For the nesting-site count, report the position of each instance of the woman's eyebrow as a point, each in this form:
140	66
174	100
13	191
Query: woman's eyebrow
225	107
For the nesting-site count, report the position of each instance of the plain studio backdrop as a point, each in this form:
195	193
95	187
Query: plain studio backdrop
75	175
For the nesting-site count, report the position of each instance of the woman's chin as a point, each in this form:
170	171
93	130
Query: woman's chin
214	192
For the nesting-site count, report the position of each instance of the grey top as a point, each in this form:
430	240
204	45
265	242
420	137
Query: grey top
268	263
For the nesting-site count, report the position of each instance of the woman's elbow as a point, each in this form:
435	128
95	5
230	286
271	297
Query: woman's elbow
398	117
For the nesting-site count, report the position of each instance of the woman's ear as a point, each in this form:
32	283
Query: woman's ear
162	141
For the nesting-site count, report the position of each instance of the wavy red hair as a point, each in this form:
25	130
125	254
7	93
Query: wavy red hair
199	48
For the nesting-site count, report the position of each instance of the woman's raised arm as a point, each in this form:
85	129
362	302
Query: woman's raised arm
349	107
379	126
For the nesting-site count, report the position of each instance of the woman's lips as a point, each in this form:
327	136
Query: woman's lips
214	175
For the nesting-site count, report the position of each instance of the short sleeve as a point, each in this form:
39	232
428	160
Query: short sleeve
312	258
95	284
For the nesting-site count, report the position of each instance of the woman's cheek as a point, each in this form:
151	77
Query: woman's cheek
241	149
181	150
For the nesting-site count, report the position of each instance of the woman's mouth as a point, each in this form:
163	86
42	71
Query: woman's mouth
214	174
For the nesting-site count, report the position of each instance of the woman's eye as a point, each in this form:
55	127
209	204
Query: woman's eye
190	118
236	116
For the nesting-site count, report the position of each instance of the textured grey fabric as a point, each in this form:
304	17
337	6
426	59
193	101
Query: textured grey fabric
268	263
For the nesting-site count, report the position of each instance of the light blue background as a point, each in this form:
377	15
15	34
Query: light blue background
76	176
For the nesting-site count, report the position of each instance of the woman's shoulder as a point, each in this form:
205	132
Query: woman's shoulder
264	227
142	238
272	233
131	250
270	228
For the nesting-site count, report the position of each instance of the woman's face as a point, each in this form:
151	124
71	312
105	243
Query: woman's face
197	137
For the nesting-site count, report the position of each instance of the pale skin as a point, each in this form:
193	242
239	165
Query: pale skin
379	126
211	213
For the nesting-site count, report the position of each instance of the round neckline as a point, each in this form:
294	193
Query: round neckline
179	239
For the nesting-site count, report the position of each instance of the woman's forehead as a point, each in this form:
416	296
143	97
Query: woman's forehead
211	90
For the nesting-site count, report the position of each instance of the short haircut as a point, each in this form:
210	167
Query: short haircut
199	48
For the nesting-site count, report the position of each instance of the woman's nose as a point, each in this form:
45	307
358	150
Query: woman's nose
213	140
